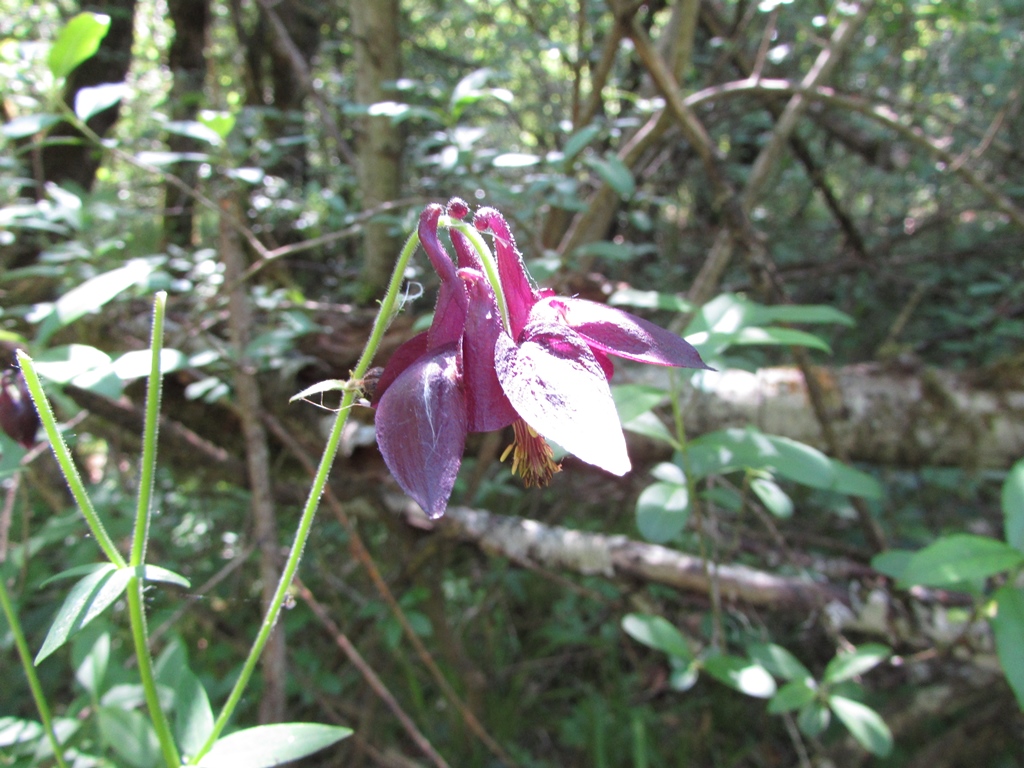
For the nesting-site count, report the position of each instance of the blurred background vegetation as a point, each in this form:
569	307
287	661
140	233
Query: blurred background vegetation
863	158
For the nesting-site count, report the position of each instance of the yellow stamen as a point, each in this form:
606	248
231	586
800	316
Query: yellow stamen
531	456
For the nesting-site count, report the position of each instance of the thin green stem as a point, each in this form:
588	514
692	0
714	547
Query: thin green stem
486	258
385	315
30	672
67	465
136	611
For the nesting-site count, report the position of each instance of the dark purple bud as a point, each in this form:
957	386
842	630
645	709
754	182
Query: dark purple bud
18	416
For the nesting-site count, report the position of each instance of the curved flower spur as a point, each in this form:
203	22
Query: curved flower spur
501	354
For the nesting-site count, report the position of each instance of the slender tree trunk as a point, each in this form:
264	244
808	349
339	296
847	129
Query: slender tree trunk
187	60
379	143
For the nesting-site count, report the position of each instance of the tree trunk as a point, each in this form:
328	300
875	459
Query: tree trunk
187	61
379	142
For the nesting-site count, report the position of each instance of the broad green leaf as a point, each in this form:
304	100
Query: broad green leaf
136	364
669	472
92	295
649	425
28	125
579	140
814	718
800	463
130	734
775	499
853	482
1013	506
656	632
193	715
770	335
683	675
14	730
958	558
742	675
778	661
218	121
1008	628
662	511
793	695
631	400
800	313
86	600
893	562
269	745
866	725
90	660
850	664
614	173
632	297
194	129
92	101
78	40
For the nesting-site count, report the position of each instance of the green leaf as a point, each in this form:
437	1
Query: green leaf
156	573
742	675
793	695
853	482
656	632
579	140
79	40
193	715
791	337
86	600
775	499
194	129
850	664
632	297
778	661
892	563
614	173
613	251
864	723
814	718
1013	506
961	557
218	121
92	101
649	425
28	125
78	570
91	662
130	734
632	400
135	364
662	511
269	745
14	730
1008	628
800	313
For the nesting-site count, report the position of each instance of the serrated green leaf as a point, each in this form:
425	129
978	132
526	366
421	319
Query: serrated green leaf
866	725
656	632
850	664
743	675
1008	629
78	40
86	600
793	695
1013	506
269	745
130	734
960	558
662	511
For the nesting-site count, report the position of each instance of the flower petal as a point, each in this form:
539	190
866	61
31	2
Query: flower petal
619	333
421	428
406	354
519	292
452	302
487	407
559	388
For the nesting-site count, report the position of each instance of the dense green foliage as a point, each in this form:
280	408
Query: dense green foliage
818	599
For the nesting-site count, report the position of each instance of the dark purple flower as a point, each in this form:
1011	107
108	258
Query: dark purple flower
544	369
18	417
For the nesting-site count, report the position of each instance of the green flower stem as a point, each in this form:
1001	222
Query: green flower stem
386	313
67	465
136	612
486	257
30	672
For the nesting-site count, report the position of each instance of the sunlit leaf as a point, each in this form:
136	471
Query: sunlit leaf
866	725
775	499
1008	628
849	664
28	125
269	745
633	297
959	558
662	511
78	40
778	661
793	695
86	600
631	400
130	734
742	675
656	632
92	101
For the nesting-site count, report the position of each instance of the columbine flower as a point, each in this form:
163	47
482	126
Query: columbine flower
544	369
18	417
